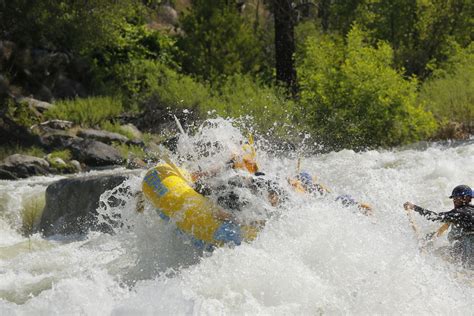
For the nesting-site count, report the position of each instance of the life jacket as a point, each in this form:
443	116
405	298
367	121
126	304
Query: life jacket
246	160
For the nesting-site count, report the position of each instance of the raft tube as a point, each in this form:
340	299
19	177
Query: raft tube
167	188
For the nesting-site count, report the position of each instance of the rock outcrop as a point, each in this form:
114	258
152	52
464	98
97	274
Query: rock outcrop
23	166
102	136
94	153
71	205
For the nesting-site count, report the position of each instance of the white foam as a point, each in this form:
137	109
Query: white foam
315	258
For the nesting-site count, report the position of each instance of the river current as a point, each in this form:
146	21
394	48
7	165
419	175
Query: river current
315	258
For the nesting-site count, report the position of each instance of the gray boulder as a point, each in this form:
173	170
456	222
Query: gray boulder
71	205
23	166
132	130
102	136
56	139
94	153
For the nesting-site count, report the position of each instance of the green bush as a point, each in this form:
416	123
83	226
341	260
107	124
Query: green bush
353	98
156	87
21	113
63	154
449	94
88	112
122	67
218	41
129	151
115	128
240	96
77	27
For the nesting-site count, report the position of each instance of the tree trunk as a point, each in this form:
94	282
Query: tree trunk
285	43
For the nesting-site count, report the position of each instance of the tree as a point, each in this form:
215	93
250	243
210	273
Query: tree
352	97
285	43
422	33
70	26
217	41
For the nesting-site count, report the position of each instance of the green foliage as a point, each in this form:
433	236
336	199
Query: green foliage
241	96
449	95
88	112
353	98
156	87
63	154
422	32
31	213
135	49
218	41
115	128
21	113
130	151
74	26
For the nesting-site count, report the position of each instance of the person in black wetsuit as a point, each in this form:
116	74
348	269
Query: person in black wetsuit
461	219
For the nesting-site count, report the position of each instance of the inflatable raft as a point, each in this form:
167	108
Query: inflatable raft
169	191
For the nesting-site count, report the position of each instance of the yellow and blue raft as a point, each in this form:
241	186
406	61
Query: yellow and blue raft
169	191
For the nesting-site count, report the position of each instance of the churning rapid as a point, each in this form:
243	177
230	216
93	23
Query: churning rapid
314	257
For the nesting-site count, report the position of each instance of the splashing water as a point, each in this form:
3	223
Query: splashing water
316	257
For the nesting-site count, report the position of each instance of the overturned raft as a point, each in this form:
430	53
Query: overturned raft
167	188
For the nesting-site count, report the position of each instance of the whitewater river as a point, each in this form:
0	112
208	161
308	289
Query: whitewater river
315	258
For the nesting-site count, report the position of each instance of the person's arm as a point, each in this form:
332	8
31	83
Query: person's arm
432	216
459	219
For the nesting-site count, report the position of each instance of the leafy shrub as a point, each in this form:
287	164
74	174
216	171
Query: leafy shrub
78	27
21	113
241	96
449	94
121	67
128	151
63	154
88	111
156	87
217	41
353	98
115	128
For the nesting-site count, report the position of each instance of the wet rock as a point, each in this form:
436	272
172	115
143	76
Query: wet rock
23	166
7	175
102	136
71	205
76	165
94	153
